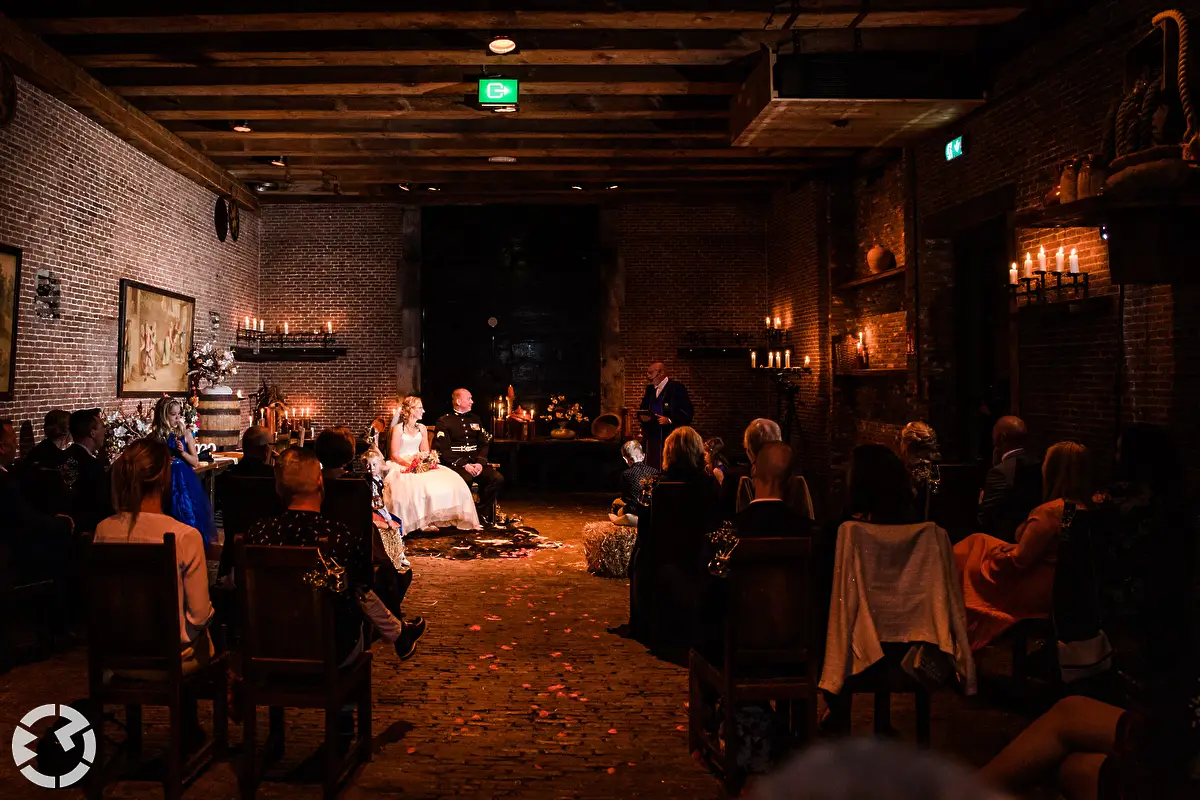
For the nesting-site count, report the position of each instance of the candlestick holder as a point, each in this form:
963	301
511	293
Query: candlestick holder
264	346
1069	286
1031	289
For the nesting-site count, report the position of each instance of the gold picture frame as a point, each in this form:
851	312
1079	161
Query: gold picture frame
154	344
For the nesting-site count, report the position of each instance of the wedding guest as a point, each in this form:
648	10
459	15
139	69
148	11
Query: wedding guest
795	492
51	451
920	453
187	501
768	514
335	451
877	487
1005	583
1013	485
626	508
683	457
715	462
83	472
256	455
141	479
665	407
37	539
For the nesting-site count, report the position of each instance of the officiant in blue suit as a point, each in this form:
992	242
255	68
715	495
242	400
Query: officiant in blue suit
665	407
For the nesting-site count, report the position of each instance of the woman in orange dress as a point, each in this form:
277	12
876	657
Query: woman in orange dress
1004	583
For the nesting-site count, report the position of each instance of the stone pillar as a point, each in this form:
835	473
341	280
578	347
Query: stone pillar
408	362
612	273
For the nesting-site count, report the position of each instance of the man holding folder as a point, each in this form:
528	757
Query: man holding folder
665	407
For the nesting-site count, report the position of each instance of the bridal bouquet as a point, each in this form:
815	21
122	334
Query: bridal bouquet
422	462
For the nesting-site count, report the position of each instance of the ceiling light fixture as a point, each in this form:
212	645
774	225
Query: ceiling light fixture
279	161
612	186
502	45
403	187
502	159
434	189
577	188
242	126
504	109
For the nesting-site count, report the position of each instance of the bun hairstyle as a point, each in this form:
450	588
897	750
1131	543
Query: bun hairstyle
142	470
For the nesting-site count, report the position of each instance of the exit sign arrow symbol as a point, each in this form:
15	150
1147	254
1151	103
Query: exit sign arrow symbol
497	91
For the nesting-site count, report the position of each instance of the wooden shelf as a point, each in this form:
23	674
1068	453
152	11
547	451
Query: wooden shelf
1093	212
267	355
871	373
713	352
895	272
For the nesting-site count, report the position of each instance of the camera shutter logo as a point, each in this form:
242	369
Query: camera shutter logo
77	725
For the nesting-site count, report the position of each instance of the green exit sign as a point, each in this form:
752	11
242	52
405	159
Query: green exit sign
954	148
498	92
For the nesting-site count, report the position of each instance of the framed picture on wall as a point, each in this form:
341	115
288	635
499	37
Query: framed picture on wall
10	293
154	341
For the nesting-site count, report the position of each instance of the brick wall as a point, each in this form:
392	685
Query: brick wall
86	206
695	266
337	263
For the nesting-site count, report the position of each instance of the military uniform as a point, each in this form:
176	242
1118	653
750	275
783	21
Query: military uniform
461	440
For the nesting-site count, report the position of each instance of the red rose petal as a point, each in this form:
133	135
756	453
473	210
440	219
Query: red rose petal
612	730
474	628
412	750
611	770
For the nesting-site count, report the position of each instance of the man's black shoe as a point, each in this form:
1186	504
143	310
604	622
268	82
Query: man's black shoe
406	645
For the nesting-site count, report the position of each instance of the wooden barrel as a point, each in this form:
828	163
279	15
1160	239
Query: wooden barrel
220	417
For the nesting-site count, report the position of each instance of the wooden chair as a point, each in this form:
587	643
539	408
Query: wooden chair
244	501
133	625
290	659
25	629
795	494
769	652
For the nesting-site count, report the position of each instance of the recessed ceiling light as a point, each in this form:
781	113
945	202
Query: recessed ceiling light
264	186
502	45
403	186
504	109
434	189
578	188
242	126
502	159
279	161
611	186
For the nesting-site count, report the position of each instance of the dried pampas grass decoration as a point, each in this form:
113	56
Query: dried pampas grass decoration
607	548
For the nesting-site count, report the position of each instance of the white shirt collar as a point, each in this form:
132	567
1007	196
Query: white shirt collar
91	450
658	387
1012	452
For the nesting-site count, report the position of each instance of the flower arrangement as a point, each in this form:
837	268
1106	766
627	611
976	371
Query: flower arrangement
559	410
191	414
124	427
212	364
422	462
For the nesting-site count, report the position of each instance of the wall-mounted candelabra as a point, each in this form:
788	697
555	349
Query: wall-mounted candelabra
287	345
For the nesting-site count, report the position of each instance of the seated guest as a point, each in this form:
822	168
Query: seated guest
36	539
627	507
49	453
1013	486
141	477
795	491
335	451
683	457
301	487
715	462
877	488
768	514
1005	583
256	455
84	473
919	452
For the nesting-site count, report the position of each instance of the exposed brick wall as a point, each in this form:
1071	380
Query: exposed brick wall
695	266
337	263
93	210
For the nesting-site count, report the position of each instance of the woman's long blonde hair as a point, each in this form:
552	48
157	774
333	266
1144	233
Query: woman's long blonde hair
684	446
1067	473
143	469
161	409
404	414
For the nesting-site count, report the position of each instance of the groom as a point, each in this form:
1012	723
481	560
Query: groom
462	445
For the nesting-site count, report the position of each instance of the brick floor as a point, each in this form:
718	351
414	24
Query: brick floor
517	691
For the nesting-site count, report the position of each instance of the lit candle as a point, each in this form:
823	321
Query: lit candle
806	361
285	328
1058	260
753	359
778	323
239	394
1042	258
768	322
787	359
246	324
770	359
860	342
1012	273
262	325
1074	262
254	324
1028	266
778	359
329	327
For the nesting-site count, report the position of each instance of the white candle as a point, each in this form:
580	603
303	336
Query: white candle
1012	274
787	359
768	322
778	323
1074	262
1058	260
1042	258
753	359
246	324
254	324
329	327
770	359
778	359
239	394
262	324
806	361
1028	266
285	327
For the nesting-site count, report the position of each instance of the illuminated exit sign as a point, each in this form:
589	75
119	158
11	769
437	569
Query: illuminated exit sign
954	148
498	92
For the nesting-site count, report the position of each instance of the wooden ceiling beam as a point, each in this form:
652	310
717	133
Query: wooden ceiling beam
267	172
460	112
411	58
228	108
534	88
270	143
732	153
531	178
37	63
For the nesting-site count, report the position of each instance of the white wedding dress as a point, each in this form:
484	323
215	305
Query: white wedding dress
438	498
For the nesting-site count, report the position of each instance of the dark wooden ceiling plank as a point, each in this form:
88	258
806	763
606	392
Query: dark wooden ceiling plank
355	107
305	142
459	112
511	124
734	153
534	88
268	172
50	71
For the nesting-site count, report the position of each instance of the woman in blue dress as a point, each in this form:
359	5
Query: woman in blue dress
187	501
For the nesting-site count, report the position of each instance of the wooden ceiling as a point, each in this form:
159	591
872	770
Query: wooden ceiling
366	103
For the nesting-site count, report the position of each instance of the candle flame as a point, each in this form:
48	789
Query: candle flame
1072	251
1042	250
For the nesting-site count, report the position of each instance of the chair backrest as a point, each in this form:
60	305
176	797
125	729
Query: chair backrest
955	504
348	500
1076	608
133	607
46	490
245	501
287	623
770	620
681	515
795	494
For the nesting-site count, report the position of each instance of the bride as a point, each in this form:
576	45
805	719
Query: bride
437	498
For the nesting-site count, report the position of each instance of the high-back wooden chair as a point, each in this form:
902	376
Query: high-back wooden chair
133	627
244	501
795	494
770	650
26	628
289	657
348	500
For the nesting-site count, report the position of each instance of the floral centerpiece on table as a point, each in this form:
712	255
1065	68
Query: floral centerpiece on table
213	364
423	462
191	413
559	410
123	427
